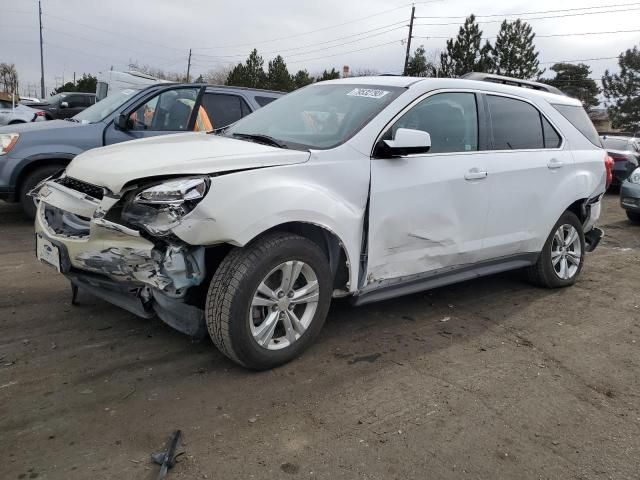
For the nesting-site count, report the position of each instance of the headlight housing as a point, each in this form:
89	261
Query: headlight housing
161	207
635	176
7	142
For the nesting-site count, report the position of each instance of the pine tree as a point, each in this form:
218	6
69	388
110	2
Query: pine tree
622	91
419	66
329	75
278	77
465	54
574	81
302	79
250	74
514	53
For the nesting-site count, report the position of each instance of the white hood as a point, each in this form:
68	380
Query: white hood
185	153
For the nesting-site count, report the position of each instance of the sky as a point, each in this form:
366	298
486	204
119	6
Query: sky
89	36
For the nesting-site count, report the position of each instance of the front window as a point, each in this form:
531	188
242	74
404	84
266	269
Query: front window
451	119
104	108
319	116
168	111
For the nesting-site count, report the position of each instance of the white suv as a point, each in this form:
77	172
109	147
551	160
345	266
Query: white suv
363	187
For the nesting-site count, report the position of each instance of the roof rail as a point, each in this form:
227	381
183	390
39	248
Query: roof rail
517	82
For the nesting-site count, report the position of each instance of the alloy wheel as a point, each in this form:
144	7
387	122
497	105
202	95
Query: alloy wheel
283	305
566	251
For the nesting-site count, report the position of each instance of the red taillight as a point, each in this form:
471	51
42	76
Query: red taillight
608	165
618	158
41	114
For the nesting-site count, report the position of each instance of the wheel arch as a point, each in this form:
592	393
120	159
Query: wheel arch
328	241
34	164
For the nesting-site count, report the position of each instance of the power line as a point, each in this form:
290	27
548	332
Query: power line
346	53
533	18
119	34
323	28
303	47
307	46
579	60
548	36
536	13
106	44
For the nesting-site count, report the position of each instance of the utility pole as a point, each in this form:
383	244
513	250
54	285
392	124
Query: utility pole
189	66
406	58
41	54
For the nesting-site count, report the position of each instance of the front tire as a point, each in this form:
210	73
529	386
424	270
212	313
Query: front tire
29	183
268	301
633	216
562	257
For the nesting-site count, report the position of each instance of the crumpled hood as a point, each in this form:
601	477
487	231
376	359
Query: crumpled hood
184	153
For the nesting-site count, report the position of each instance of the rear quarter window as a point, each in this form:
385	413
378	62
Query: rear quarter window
579	119
262	101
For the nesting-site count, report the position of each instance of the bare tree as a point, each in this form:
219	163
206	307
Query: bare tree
158	72
218	75
8	77
365	72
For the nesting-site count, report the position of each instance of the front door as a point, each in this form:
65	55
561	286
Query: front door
428	211
170	111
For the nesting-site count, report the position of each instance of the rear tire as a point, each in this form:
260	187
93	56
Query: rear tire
29	183
268	301
562	256
633	216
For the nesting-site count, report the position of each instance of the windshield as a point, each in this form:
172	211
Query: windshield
104	108
319	117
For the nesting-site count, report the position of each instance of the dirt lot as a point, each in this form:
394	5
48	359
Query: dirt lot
487	379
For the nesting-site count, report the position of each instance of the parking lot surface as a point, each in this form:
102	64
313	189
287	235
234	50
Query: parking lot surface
490	378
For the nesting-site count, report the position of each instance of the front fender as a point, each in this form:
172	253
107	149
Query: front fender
243	205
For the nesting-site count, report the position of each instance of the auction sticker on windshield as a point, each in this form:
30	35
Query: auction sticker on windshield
368	92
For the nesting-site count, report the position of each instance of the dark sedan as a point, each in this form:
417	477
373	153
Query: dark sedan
630	196
625	152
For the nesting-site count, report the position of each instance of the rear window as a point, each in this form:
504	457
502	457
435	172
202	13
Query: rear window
579	119
262	101
616	143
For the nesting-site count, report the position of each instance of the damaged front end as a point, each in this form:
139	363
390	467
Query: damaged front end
120	247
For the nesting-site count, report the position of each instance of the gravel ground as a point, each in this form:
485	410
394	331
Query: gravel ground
486	379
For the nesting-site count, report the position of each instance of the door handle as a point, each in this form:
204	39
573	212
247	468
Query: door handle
475	174
555	164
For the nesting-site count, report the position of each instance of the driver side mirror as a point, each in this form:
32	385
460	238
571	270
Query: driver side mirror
64	105
122	122
406	142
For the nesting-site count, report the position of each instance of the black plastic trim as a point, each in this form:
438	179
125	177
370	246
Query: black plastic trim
442	277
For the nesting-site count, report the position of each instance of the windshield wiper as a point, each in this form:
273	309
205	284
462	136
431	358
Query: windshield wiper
259	138
72	120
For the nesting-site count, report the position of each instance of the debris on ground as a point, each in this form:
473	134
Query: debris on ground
167	459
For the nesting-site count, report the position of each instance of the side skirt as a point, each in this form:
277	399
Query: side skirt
439	278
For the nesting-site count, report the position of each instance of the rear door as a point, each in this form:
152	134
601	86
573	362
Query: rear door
170	111
223	109
527	167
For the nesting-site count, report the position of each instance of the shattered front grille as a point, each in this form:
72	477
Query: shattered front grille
79	186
